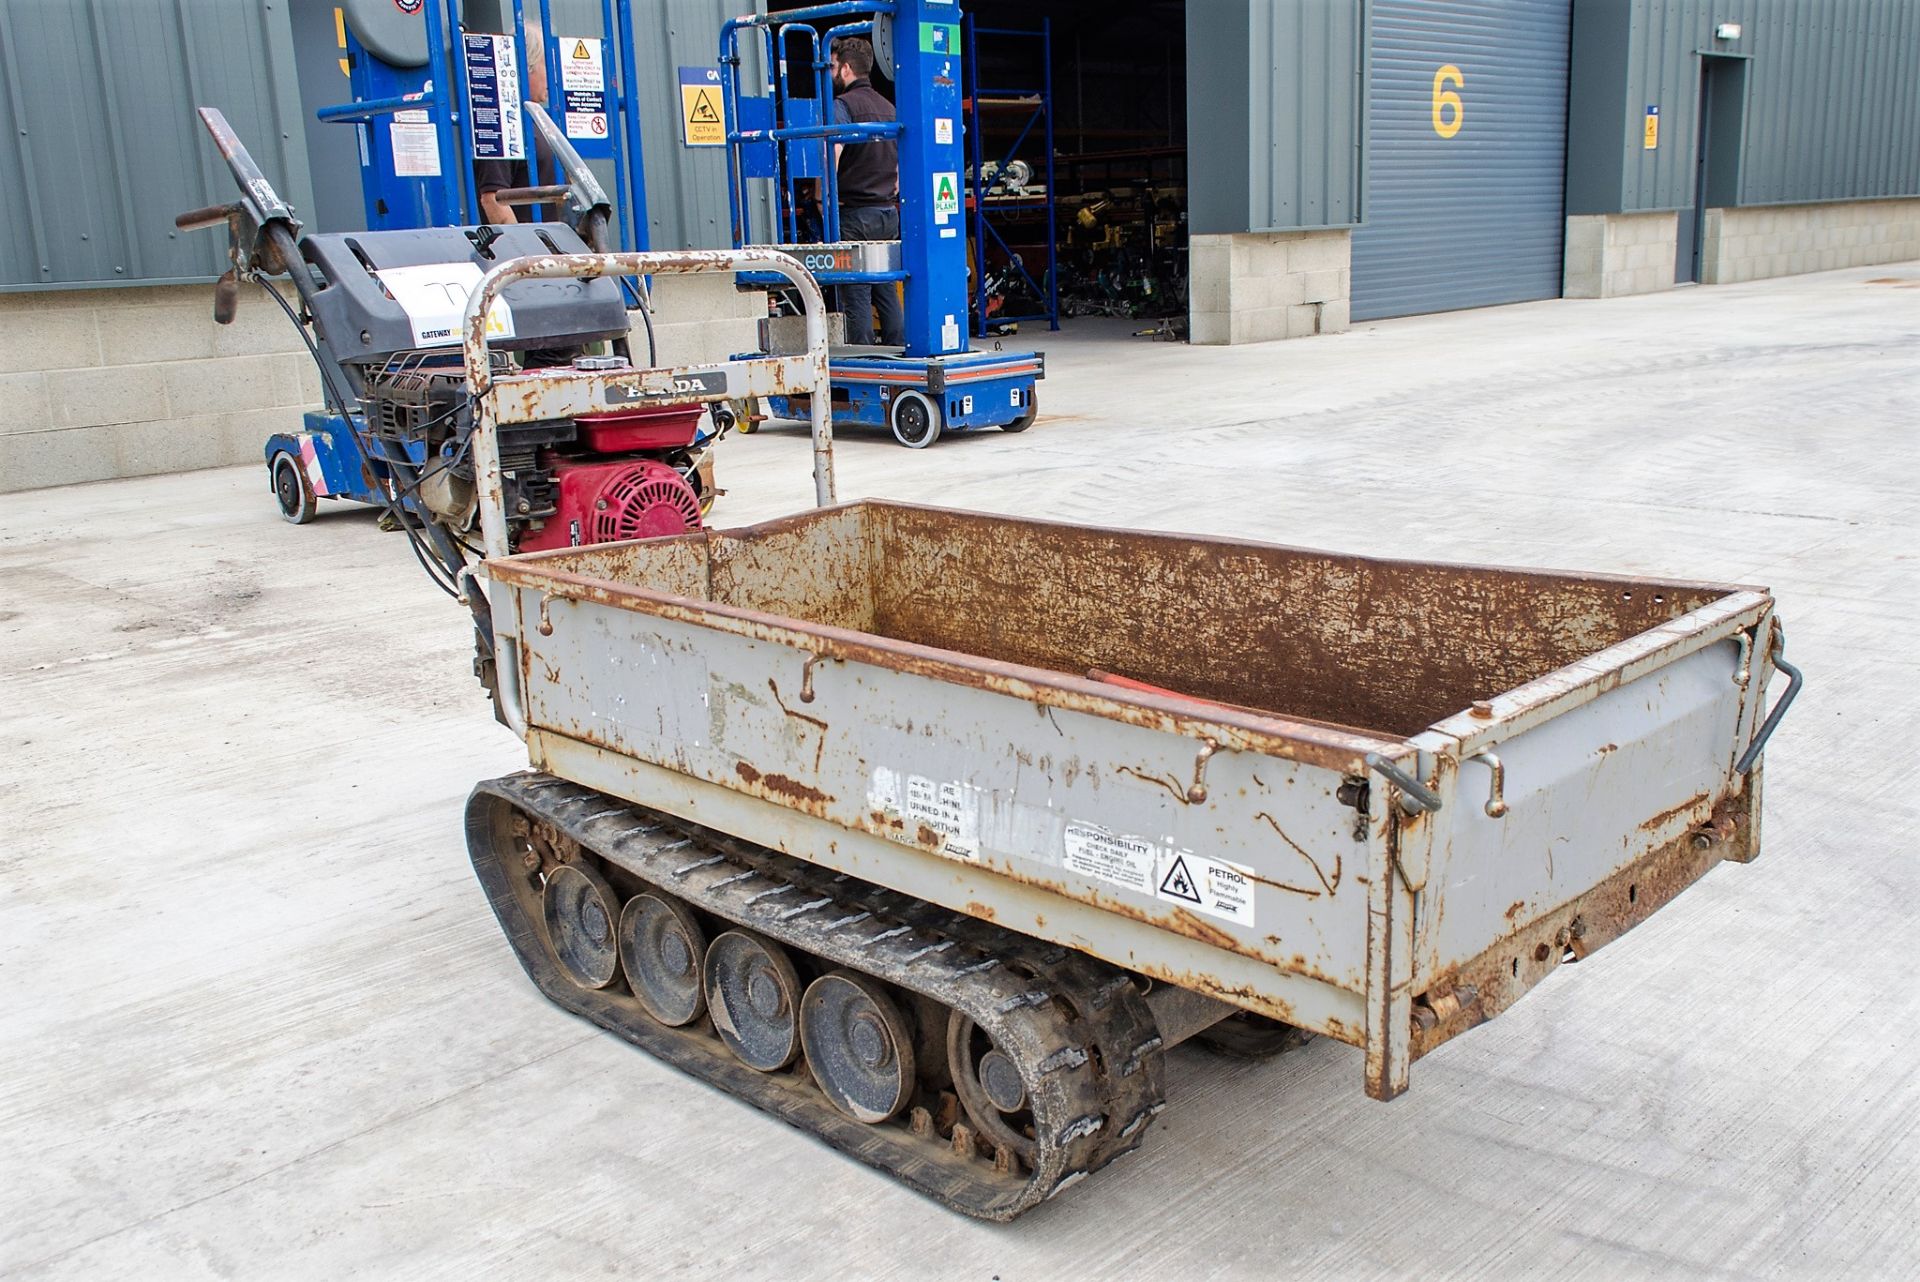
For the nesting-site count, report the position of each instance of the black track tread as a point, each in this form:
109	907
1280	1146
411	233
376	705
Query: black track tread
1082	1035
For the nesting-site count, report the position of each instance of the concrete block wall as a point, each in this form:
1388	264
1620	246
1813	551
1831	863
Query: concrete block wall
1255	286
98	384
701	319
1609	255
104	383
1784	240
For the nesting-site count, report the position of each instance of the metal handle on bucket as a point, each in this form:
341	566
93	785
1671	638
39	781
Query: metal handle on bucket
1415	796
1778	653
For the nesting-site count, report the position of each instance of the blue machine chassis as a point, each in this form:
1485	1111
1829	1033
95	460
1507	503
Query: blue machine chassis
328	453
972	389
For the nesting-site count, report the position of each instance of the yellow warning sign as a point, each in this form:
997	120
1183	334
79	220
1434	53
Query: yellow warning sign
702	123
1650	138
580	49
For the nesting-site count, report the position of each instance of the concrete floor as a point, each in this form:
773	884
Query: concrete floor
255	1018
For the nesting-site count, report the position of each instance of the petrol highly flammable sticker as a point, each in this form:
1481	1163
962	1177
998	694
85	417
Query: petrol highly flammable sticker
1213	886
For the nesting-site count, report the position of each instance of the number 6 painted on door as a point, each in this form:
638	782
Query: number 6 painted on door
1444	124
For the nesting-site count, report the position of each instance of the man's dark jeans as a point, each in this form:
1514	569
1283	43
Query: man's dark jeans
859	302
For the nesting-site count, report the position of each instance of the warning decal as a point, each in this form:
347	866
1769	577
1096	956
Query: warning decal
583	88
1178	883
1111	857
702	121
1214	886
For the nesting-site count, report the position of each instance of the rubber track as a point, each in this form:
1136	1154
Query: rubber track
1084	1040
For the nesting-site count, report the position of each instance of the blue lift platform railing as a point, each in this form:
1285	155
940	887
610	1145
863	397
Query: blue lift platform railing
449	197
778	135
1037	104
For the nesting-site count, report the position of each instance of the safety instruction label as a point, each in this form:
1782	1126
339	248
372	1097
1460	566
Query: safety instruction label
946	809
493	97
1112	857
1651	138
702	121
946	193
415	145
1213	886
434	297
583	87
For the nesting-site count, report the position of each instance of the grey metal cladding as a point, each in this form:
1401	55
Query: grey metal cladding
1306	119
1832	107
1474	216
1217	116
1274	111
101	147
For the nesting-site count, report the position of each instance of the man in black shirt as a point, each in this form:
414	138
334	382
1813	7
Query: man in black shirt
869	175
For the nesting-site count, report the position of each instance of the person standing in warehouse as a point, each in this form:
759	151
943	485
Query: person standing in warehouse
869	175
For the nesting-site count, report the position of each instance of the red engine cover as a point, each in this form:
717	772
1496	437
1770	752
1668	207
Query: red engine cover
666	428
608	502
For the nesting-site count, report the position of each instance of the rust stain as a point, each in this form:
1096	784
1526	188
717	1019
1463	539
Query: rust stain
1505	972
974	908
781	788
1172	785
1514	910
1195	928
1312	863
1667	816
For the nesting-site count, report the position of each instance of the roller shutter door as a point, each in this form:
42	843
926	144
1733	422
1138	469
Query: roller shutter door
1464	203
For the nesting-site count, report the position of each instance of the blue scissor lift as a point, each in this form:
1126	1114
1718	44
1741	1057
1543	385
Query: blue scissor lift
334	454
936	383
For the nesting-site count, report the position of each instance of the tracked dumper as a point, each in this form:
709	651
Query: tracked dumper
930	832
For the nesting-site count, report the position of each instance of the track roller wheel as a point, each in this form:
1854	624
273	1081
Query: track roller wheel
859	1045
1249	1036
916	419
990	1087
292	491
661	945
580	910
754	995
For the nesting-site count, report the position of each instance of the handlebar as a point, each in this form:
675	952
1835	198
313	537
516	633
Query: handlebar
198	219
479	360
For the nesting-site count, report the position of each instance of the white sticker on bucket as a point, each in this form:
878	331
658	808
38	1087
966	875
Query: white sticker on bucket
1125	861
950	811
1213	886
